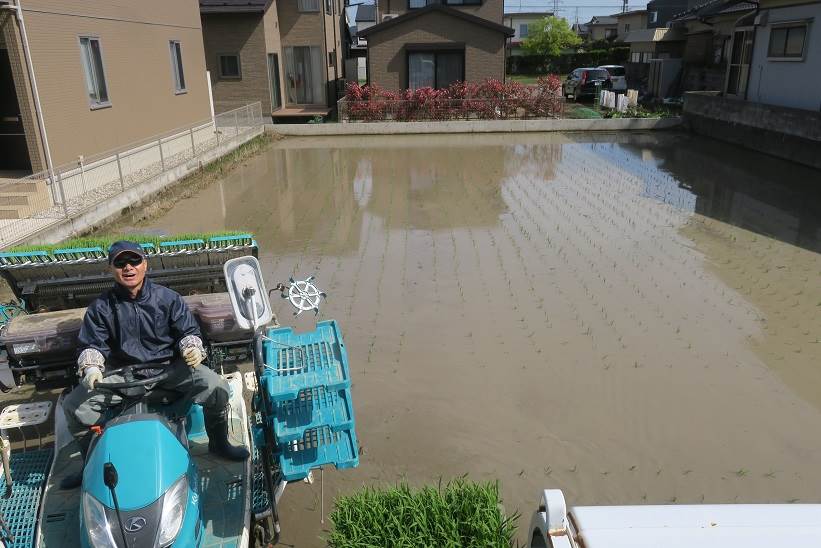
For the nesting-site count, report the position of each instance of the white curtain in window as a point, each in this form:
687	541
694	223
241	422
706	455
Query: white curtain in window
421	67
303	75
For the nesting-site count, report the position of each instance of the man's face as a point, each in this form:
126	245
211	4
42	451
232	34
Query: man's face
129	270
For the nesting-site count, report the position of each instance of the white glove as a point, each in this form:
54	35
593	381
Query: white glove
192	351
193	356
91	376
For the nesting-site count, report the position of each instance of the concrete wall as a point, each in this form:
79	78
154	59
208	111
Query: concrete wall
492	10
242	34
387	56
788	83
473	126
134	39
788	133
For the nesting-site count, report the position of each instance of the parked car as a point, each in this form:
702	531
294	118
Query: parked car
617	77
582	82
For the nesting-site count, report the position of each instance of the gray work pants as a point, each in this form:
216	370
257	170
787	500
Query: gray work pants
85	408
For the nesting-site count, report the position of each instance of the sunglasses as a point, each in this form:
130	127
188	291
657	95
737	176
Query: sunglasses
133	260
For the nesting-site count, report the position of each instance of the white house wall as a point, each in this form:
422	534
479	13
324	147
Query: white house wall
788	83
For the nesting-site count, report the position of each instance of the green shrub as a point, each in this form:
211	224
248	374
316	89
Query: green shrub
462	514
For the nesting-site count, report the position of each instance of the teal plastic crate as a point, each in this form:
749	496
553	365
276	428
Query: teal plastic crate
318	447
313	408
299	361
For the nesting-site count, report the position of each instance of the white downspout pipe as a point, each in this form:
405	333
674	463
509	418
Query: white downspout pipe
33	80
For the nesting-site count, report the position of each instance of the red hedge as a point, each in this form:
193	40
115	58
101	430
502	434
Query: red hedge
489	100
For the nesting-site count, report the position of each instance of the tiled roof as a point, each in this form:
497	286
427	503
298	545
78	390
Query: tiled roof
603	20
409	15
714	7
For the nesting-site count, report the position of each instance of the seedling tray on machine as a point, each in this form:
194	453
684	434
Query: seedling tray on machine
308	381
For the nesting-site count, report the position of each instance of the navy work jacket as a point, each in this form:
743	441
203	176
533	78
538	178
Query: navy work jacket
130	331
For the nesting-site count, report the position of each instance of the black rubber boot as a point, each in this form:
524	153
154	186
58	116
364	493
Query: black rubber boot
73	481
217	428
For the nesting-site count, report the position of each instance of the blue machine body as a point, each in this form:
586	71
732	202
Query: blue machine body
150	458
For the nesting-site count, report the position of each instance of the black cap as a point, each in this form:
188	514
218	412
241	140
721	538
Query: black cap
121	247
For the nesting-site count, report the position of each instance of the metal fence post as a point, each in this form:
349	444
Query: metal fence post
162	156
120	171
193	146
62	193
236	122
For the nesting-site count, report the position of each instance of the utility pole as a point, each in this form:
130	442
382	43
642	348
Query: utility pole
624	6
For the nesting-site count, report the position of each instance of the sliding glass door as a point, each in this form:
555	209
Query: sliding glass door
303	75
435	69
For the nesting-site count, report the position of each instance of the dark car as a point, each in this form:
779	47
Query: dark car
582	82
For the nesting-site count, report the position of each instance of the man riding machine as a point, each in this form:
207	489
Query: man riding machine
146	331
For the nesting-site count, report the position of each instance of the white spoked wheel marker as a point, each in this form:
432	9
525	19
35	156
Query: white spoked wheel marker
304	295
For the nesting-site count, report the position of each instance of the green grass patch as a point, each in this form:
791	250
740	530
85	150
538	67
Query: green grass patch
530	79
460	514
105	241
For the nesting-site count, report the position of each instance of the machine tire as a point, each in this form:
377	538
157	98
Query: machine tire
263	531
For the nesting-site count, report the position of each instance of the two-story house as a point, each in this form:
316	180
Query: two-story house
90	77
629	21
434	43
286	54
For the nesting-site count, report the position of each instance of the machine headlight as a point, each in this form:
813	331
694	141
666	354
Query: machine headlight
97	524
173	511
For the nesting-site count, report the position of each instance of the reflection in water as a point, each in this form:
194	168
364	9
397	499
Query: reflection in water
630	317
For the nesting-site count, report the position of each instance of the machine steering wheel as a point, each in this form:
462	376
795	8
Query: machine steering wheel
127	372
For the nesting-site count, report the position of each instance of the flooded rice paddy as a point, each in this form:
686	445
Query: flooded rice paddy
633	318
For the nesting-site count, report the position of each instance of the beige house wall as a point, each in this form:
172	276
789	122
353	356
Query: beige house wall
492	10
597	32
631	22
387	53
134	39
243	34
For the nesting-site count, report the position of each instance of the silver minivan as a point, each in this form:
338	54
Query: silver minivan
617	77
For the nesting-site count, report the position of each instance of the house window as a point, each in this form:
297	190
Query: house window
92	58
176	66
635	57
654	16
304	83
331	58
328	7
787	41
416	4
646	56
308	5
609	33
435	69
523	30
627	27
230	68
273	77
462	2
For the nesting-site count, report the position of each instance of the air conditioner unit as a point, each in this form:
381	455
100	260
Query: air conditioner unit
389	16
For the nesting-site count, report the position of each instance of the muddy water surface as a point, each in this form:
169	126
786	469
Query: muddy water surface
631	318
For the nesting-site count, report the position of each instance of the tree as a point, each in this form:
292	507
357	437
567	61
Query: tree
549	37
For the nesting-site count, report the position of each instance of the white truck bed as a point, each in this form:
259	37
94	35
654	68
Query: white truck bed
674	526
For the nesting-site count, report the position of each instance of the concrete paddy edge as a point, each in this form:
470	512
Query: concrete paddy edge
106	210
471	126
